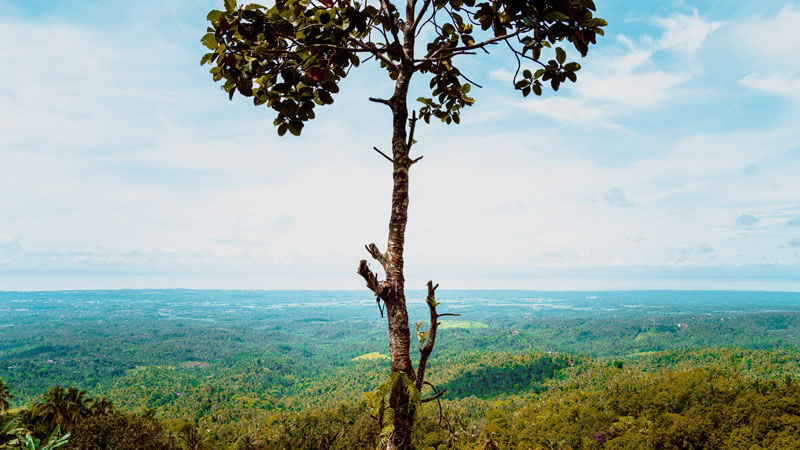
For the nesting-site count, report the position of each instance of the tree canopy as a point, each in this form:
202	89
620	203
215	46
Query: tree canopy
291	56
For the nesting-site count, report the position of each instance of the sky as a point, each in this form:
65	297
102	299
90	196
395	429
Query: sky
672	163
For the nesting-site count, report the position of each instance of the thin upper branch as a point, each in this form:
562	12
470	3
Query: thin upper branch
395	25
385	156
378	53
421	13
459	50
412	124
434	397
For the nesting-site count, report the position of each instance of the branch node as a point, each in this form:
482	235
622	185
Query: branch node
382	258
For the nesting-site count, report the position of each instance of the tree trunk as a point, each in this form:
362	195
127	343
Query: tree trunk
397	314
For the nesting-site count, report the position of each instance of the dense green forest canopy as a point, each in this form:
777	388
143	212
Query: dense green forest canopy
288	369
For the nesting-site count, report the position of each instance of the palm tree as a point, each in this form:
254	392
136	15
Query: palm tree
63	407
101	406
191	437
5	395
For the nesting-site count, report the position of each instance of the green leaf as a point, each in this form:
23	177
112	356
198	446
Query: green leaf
561	55
214	17
210	41
295	127
324	97
282	129
556	15
330	86
230	5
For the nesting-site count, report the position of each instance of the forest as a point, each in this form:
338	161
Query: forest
260	369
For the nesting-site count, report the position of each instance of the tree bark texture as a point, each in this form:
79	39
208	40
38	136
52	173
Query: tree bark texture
392	291
397	314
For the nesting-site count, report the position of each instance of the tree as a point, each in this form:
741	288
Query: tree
292	56
64	407
121	431
5	396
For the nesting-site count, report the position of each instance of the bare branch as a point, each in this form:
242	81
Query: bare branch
419	16
459	50
369	277
381	100
384	155
416	160
422	27
378	53
439	58
425	351
380	288
468	80
434	397
395	25
412	124
382	258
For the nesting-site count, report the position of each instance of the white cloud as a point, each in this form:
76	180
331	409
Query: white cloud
777	84
568	110
627	81
112	167
767	40
9	244
501	75
633	90
685	33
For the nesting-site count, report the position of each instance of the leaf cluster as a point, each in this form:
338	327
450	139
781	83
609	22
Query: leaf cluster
525	27
290	56
293	55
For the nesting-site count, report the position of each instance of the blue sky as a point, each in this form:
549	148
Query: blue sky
672	163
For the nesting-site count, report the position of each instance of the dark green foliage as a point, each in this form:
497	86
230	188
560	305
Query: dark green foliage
5	396
280	374
346	427
714	398
63	407
292	55
520	374
120	431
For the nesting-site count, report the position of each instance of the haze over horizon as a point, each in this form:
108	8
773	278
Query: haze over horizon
671	164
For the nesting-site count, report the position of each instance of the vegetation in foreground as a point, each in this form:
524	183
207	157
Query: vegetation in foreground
711	398
238	369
